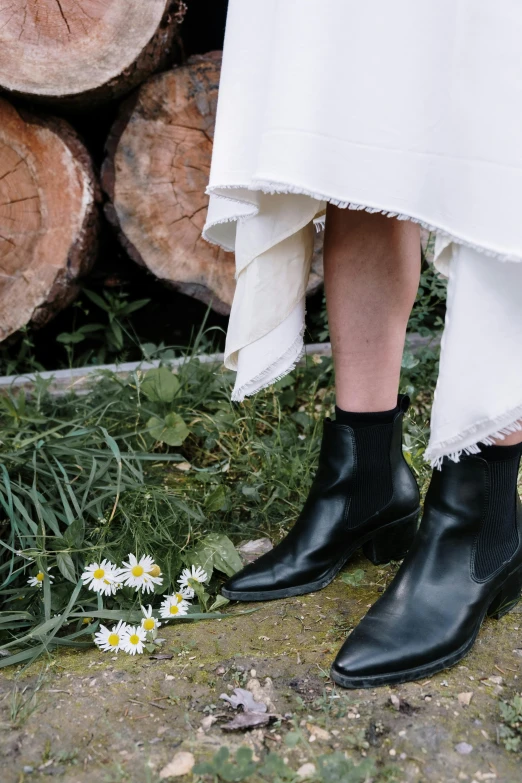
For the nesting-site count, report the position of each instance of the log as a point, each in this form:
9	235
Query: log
48	217
79	52
155	173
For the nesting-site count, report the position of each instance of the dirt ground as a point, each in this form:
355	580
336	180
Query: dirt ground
99	717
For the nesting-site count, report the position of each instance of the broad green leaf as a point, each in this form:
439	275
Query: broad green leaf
217	499
66	566
218	603
160	385
171	430
75	533
215	551
354	578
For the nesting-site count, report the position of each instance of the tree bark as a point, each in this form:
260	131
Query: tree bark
155	174
48	217
80	52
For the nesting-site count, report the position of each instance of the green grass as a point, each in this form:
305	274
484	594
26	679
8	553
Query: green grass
105	474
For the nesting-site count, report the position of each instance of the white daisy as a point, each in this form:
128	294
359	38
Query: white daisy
101	577
172	608
133	639
36	581
191	575
110	640
149	623
137	573
184	594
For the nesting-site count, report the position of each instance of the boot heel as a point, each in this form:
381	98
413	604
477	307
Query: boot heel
392	542
507	597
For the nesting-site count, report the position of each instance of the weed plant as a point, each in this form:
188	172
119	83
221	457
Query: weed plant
150	464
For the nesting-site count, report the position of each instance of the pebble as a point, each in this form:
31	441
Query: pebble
464	748
28	770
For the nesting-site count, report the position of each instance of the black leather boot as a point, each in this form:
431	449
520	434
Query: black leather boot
363	494
465	563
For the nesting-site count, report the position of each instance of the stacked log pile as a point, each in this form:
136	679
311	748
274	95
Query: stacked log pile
61	64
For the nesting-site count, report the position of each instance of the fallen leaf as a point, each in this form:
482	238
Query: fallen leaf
180	765
248	720
465	698
318	732
244	699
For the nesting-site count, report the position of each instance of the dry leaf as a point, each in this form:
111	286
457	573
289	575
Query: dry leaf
183	466
244	698
248	720
180	765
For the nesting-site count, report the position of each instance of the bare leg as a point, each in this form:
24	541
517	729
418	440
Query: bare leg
371	272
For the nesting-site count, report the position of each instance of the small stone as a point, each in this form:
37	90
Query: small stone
253	673
28	770
169	677
180	765
465	698
464	748
496	679
403	756
183	466
518	652
392	752
220	670
318	733
306	771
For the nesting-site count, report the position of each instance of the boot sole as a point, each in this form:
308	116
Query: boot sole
319	584
422	672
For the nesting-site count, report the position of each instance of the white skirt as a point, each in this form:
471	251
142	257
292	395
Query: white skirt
406	108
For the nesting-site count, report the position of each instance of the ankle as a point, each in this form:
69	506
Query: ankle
356	420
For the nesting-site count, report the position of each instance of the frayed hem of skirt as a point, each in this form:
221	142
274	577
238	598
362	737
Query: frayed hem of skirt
502	426
275	188
292	356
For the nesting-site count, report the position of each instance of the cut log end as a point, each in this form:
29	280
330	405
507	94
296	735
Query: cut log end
48	217
155	174
80	53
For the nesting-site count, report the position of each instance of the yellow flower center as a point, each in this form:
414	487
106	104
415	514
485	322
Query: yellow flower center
137	570
113	639
178	596
134	638
40	576
99	573
155	570
174	609
149	624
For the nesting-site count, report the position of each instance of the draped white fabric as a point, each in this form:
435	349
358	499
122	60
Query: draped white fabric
412	109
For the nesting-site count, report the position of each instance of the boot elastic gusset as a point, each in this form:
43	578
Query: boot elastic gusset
325	536
430	615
